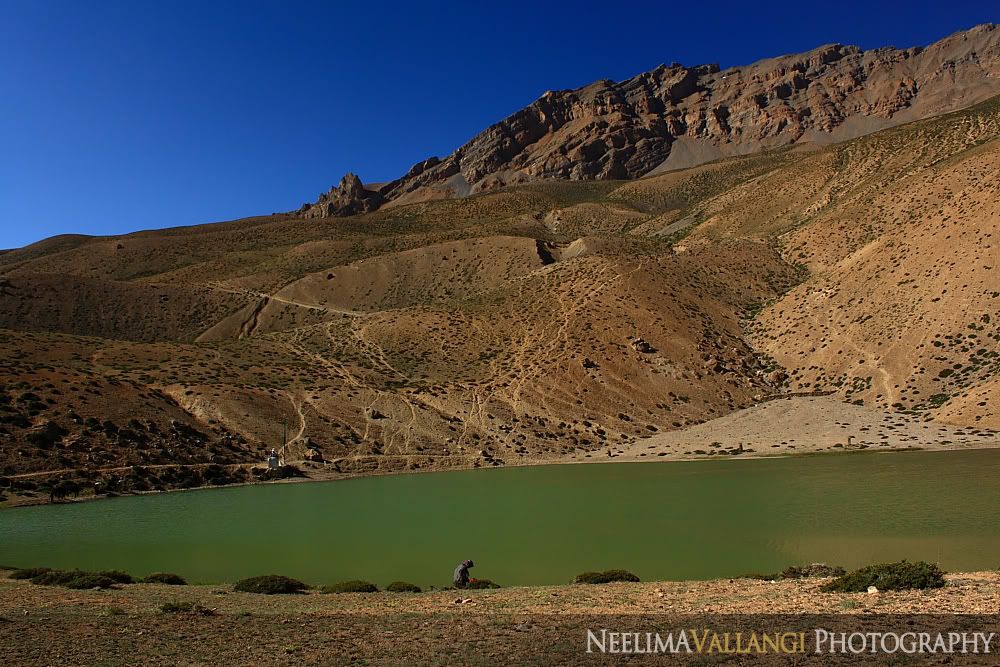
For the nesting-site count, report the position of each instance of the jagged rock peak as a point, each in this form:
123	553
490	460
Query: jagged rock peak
350	184
348	198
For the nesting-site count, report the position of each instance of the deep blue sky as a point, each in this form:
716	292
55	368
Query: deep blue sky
119	116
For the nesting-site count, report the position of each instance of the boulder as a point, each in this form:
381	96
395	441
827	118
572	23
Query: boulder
776	377
641	346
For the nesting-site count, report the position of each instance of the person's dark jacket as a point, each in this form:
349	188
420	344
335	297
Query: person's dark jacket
461	577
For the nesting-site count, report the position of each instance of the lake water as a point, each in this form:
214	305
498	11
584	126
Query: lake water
542	525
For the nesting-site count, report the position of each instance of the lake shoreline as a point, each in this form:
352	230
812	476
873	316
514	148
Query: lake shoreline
790	426
326	476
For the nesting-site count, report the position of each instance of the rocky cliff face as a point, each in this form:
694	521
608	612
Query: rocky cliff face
676	116
348	198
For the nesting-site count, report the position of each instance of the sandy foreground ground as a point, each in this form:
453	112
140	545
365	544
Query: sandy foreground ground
41	625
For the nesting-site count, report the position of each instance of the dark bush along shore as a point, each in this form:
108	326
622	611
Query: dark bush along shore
897	576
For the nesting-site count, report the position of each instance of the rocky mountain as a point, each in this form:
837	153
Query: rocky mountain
676	116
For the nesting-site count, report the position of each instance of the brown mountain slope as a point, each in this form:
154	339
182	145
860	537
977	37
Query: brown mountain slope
549	364
900	233
677	116
903	309
112	309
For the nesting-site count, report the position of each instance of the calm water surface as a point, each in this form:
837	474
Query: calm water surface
542	525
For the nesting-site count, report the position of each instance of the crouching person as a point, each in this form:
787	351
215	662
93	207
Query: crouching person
461	578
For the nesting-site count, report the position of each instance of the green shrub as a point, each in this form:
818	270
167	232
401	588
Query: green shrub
605	577
937	400
56	577
46	435
63	489
28	573
888	577
80	579
48	577
165	578
118	576
270	584
479	584
89	580
352	586
402	587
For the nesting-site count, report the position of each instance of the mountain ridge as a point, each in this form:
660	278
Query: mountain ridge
675	116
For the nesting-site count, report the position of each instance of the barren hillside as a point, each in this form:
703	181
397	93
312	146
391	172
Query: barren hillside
899	233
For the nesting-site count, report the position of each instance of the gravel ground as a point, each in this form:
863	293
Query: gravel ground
42	625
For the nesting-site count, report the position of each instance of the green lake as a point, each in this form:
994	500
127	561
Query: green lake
542	525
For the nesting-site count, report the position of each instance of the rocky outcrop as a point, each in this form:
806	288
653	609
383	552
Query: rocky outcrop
676	116
348	198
